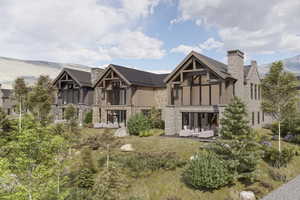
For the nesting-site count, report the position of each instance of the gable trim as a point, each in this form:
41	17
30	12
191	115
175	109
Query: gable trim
111	67
61	74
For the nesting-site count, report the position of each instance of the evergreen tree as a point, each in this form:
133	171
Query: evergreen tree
235	123
279	92
41	99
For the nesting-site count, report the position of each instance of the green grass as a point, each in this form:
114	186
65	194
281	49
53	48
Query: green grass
163	184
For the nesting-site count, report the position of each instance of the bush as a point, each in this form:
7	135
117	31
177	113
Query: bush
144	163
155	119
88	118
151	132
138	123
278	175
296	139
277	159
85	179
207	171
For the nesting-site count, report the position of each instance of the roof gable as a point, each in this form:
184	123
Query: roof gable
136	77
219	68
82	78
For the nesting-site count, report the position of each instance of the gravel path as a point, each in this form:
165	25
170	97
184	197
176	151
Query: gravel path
289	191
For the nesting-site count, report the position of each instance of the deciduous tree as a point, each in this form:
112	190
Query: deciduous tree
279	92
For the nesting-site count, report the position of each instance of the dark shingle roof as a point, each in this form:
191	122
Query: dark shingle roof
6	92
83	77
141	78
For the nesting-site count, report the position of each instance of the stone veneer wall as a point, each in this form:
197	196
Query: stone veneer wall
83	110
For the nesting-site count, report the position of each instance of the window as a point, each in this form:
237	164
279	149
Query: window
258	92
258	117
255	91
253	122
263	116
251	90
146	112
116	116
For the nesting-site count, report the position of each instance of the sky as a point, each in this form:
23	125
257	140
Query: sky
153	35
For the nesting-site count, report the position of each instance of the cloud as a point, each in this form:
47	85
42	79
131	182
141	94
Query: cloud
263	27
207	45
72	30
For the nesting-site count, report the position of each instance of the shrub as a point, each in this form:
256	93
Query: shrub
88	118
151	132
207	171
277	175
85	179
138	123
277	159
296	139
155	119
144	163
109	183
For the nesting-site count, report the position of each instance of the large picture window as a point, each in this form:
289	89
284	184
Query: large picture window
116	116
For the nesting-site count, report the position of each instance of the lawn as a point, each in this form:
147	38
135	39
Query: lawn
163	184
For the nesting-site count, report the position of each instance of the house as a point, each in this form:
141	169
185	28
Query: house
74	87
121	92
7	102
199	89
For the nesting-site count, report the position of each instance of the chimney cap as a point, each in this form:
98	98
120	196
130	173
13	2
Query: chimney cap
235	52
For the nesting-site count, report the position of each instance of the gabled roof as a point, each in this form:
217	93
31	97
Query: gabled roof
218	67
136	77
83	78
6	93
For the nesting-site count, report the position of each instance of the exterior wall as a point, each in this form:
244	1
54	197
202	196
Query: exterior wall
173	114
57	112
141	98
254	104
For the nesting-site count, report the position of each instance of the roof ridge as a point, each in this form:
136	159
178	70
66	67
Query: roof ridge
136	69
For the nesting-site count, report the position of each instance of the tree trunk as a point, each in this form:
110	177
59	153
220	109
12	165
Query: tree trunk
279	136
20	115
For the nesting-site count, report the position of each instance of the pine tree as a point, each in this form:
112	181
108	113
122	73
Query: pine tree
235	123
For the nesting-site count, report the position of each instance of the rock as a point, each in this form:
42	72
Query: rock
266	143
288	138
121	132
127	147
247	195
193	157
98	125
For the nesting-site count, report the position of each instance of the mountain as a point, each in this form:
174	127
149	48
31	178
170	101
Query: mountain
11	68
291	64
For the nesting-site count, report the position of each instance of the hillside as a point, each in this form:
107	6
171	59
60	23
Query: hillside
11	68
291	64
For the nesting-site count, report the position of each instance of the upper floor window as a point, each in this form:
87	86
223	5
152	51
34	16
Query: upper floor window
255	91
259	92
251	91
117	96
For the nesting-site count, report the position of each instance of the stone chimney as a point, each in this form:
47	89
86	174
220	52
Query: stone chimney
253	63
95	74
236	69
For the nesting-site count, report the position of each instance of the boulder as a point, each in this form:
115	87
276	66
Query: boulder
247	195
121	132
127	147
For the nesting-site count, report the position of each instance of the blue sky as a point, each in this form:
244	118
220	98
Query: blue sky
153	35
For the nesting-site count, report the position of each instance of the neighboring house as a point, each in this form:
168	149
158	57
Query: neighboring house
200	88
7	103
74	87
121	92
